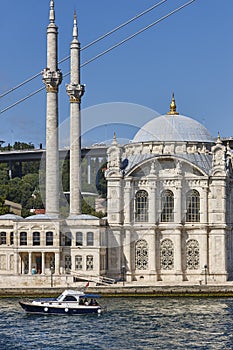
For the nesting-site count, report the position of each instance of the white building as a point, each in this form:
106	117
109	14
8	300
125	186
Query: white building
169	202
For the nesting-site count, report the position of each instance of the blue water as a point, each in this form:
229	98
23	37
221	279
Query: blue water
130	323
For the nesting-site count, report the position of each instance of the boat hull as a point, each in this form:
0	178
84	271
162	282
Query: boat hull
65	310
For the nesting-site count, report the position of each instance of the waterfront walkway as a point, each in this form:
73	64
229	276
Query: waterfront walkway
184	289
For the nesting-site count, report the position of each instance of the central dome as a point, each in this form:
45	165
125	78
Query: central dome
173	127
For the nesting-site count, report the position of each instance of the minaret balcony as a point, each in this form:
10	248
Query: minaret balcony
51	79
75	91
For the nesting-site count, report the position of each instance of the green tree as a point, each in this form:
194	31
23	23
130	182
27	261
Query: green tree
4	209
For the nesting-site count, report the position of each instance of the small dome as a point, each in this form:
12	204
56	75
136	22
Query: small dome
173	127
40	217
10	217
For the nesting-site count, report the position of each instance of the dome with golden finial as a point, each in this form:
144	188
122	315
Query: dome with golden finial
173	127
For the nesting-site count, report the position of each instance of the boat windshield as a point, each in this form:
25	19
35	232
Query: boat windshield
60	297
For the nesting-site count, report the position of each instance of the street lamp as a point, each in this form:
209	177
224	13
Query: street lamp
123	270
205	267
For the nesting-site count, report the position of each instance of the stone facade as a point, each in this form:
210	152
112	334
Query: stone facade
170	208
169	203
40	246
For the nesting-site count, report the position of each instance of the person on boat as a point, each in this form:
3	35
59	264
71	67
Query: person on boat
85	301
93	302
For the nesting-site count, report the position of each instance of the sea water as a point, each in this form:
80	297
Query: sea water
129	323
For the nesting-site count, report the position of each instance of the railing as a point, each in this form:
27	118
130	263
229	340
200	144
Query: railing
93	278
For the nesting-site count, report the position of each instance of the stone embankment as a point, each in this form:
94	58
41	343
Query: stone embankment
129	291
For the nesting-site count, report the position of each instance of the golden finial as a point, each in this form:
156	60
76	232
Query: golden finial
173	106
219	138
114	139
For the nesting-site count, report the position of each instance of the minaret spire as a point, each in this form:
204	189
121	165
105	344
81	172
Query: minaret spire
52	12
75	28
75	91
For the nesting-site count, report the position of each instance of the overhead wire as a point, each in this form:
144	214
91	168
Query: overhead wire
107	50
137	33
88	45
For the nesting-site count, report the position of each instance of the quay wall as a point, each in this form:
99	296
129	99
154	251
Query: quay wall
128	291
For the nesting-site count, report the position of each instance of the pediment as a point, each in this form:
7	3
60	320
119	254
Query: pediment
167	167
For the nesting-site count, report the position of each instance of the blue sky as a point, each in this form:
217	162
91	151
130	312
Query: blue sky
190	53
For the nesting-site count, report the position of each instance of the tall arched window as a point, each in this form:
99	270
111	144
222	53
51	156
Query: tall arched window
23	238
141	206
49	238
167	206
193	206
167	255
11	238
90	238
192	255
79	238
2	237
36	238
141	255
68	239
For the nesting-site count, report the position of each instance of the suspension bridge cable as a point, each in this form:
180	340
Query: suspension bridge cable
106	51
88	45
28	96
137	33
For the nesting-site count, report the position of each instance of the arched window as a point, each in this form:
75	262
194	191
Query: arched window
2	237
193	206
141	255
68	239
49	238
192	255
79	238
12	238
36	238
141	206
167	255
167	206
90	238
23	238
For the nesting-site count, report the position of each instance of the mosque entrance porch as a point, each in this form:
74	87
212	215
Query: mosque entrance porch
36	263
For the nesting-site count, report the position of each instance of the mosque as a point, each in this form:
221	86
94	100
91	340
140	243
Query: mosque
169	202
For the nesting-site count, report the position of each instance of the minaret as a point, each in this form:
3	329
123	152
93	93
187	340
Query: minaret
75	90
52	78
